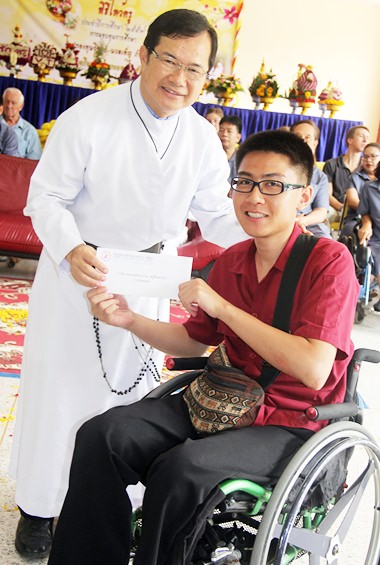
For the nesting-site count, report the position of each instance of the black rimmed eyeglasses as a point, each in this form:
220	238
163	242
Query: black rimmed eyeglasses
268	187
172	64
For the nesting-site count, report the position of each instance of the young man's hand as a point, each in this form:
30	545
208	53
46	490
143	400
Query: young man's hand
196	294
110	308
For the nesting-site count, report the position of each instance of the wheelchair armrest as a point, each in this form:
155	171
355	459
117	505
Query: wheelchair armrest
332	411
369	355
173	385
360	355
185	363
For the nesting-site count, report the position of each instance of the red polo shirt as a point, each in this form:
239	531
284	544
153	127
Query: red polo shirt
323	308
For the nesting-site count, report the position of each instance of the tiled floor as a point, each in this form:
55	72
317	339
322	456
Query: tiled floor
367	334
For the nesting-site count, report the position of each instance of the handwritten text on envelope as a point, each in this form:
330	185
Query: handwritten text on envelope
144	274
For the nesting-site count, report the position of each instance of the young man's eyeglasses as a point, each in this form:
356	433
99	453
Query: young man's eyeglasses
268	187
172	64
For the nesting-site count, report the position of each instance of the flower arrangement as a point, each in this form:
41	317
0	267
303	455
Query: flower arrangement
67	60
264	87
15	54
99	70
225	85
330	98
43	59
304	88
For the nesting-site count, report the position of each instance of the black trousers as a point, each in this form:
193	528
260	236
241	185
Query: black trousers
153	441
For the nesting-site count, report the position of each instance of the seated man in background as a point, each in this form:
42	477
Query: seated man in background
8	138
314	216
214	115
371	158
339	169
29	145
369	208
154	440
230	135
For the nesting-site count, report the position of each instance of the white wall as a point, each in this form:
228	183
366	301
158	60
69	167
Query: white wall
339	38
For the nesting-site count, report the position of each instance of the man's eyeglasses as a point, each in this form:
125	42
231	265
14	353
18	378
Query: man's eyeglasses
268	187
173	65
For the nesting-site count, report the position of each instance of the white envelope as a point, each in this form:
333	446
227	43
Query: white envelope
144	274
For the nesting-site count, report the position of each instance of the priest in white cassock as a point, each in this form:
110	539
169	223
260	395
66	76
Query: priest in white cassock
121	169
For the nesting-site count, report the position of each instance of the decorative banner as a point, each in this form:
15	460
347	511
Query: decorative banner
119	25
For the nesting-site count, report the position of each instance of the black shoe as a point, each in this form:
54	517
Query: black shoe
376	306
33	537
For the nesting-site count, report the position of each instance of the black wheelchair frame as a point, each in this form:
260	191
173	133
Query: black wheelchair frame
276	525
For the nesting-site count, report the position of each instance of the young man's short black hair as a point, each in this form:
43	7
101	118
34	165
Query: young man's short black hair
234	120
283	143
181	23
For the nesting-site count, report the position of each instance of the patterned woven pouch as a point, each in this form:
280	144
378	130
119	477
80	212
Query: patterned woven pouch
222	397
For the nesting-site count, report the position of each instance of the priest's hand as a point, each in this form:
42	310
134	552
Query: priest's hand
110	308
85	266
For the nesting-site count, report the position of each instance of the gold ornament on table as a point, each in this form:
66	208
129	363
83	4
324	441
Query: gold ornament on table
224	89
264	88
67	62
43	59
304	89
15	54
330	99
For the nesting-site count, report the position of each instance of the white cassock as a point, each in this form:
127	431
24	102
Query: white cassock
115	176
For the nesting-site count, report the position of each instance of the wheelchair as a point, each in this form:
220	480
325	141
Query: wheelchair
310	513
361	255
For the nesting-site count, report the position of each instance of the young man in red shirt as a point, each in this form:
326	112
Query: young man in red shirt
153	441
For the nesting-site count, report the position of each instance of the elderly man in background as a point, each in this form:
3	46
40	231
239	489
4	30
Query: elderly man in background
29	145
8	138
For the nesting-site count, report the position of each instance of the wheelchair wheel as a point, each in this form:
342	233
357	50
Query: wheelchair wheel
328	541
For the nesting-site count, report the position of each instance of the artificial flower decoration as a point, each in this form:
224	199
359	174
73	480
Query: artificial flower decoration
15	54
304	88
224	88
99	70
67	62
68	59
264	87
330	99
43	59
